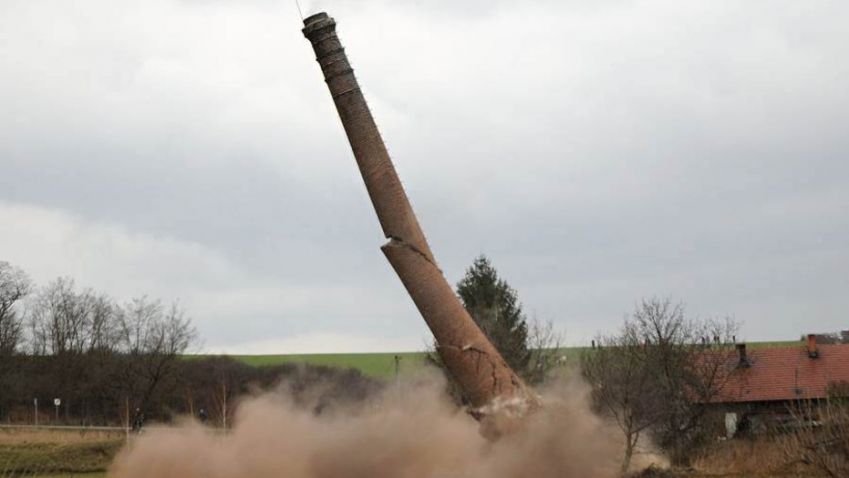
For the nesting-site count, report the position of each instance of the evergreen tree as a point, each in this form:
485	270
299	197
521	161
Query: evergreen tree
495	307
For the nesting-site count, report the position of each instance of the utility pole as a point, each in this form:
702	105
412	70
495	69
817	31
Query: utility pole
398	374
224	406
127	418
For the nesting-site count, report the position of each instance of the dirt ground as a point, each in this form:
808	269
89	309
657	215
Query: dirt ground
75	454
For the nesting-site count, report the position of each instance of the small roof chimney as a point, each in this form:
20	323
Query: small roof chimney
744	359
812	346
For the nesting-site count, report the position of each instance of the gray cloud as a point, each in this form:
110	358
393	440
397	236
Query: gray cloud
598	151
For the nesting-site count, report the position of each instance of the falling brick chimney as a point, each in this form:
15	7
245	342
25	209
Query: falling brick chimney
491	386
812	346
743	357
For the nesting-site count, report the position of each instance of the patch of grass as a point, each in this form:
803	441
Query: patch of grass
56	453
19	436
382	365
71	475
778	343
379	365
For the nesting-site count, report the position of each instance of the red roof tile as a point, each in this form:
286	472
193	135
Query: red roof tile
786	373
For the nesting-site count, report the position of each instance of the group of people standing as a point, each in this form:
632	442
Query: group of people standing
138	419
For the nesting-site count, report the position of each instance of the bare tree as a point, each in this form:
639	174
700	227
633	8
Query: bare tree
57	318
74	332
151	338
692	359
102	332
659	373
544	345
820	438
623	387
66	321
14	286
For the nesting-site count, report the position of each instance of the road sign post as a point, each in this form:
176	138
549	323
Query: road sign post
56	403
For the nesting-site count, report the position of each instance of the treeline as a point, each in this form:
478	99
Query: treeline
105	360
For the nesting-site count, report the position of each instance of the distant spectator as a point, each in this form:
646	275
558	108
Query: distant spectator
138	420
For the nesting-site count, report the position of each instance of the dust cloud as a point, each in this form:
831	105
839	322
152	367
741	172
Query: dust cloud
411	431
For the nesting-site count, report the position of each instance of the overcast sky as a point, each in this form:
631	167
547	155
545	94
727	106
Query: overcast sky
597	151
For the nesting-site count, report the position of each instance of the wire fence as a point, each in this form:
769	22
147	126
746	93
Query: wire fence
67	427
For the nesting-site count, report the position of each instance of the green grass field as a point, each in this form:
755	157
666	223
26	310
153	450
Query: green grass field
382	365
781	343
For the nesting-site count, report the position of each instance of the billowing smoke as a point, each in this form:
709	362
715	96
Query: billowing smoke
412	431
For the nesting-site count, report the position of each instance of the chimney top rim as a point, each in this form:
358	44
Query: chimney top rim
317	18
314	17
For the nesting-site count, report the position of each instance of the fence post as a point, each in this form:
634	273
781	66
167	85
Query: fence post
127	419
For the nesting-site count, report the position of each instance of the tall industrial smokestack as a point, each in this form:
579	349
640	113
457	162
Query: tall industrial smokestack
474	363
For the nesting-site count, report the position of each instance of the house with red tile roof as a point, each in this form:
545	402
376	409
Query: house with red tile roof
789	373
769	381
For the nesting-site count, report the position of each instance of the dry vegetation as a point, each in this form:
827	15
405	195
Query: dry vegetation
18	436
54	453
759	457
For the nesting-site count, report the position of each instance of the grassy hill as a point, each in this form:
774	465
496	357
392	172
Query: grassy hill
382	365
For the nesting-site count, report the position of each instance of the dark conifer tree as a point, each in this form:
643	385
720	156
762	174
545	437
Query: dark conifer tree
495	307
